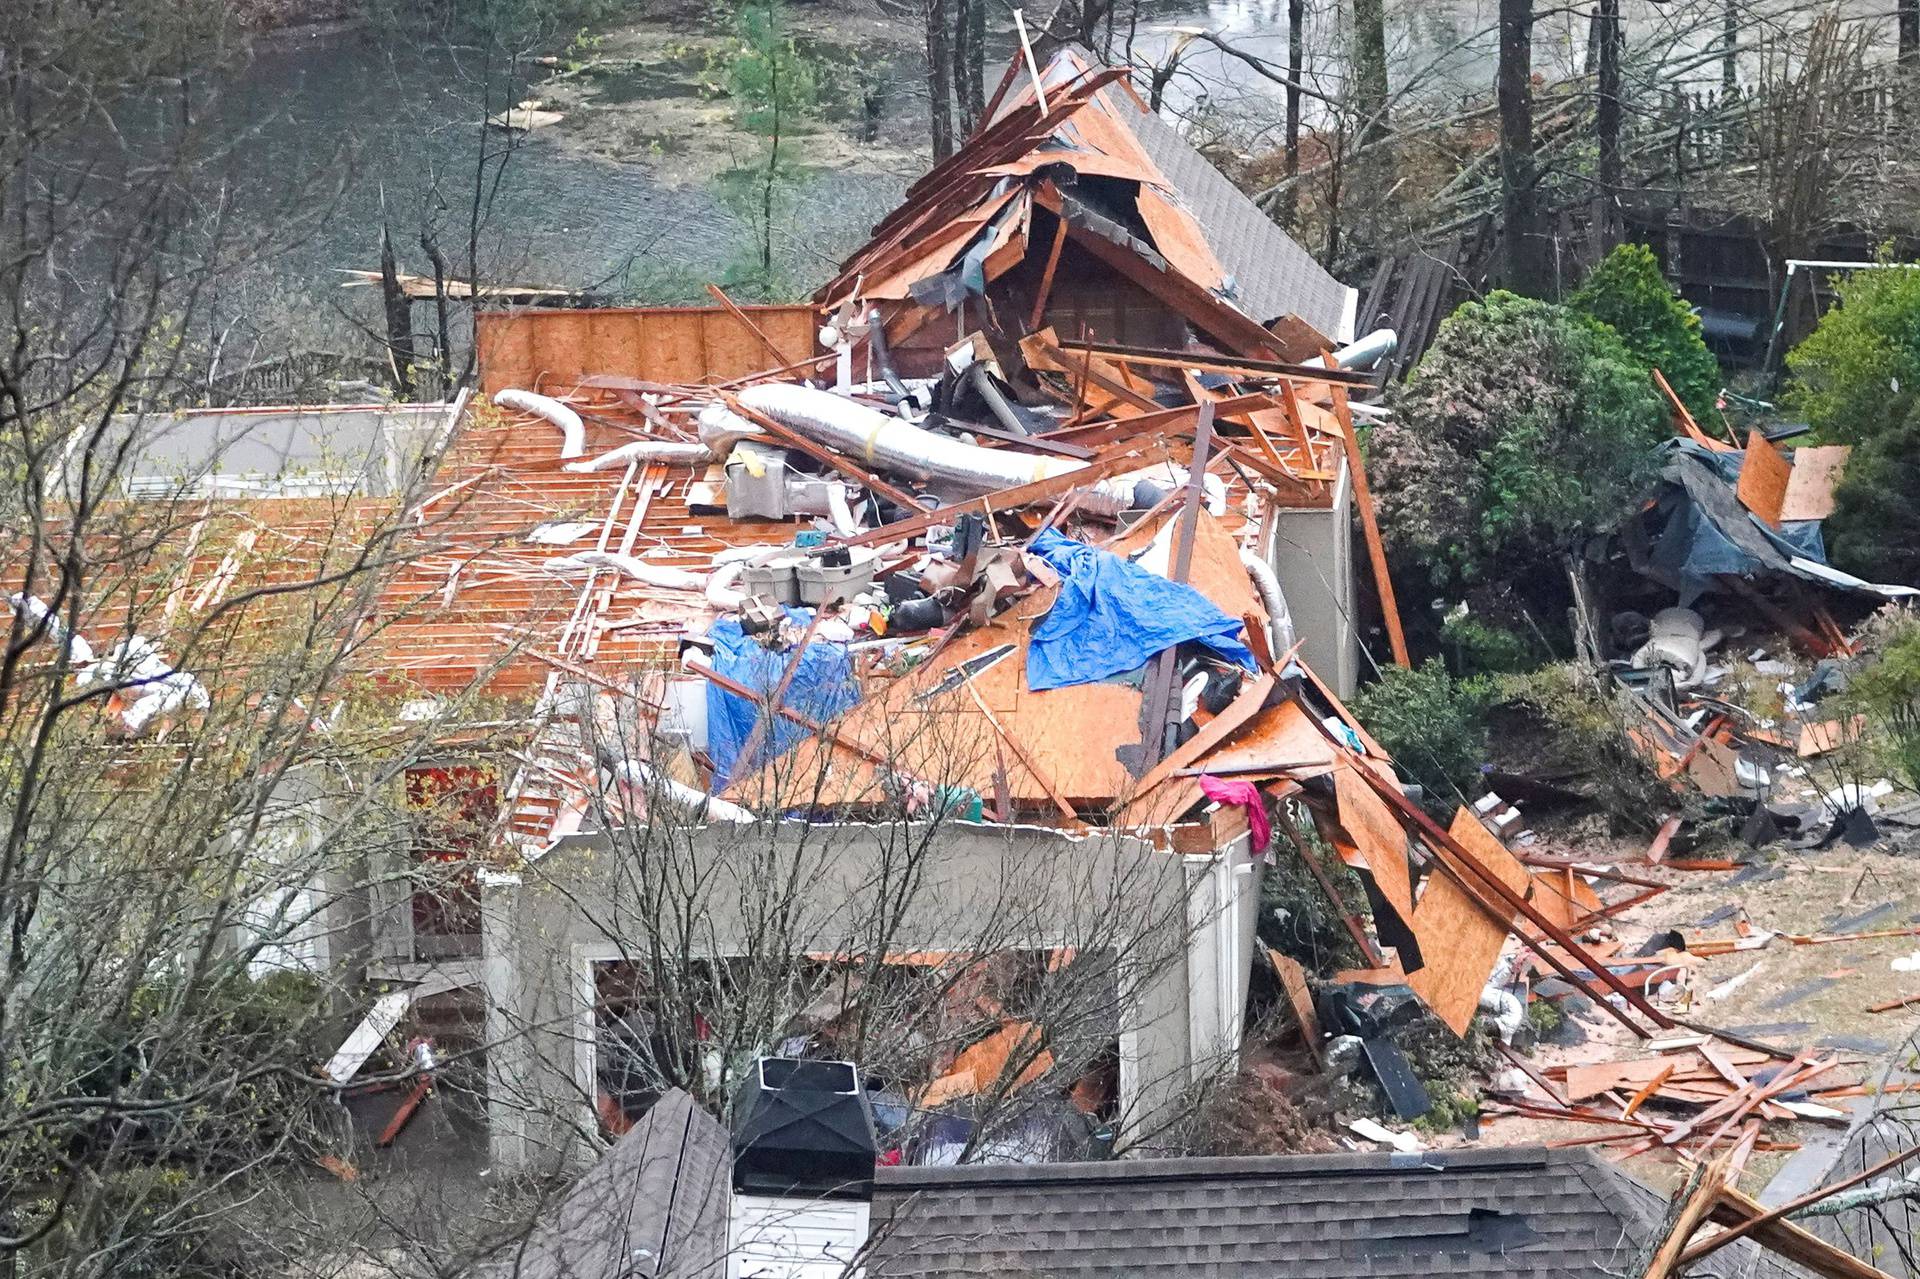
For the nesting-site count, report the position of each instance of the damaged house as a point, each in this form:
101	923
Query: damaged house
911	687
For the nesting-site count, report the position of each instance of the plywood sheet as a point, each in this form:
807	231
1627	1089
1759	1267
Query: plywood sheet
1763	478
1178	238
1460	942
1378	838
554	348
1817	471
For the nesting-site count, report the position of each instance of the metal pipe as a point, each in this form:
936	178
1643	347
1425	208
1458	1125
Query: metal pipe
982	383
886	442
572	430
877	342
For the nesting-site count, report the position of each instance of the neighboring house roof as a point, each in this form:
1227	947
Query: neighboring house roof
655	1205
659	1196
293	451
1519	1211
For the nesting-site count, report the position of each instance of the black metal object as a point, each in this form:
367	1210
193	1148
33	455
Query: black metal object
803	1128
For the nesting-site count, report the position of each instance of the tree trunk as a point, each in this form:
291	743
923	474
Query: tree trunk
1520	195
969	63
430	245
1289	207
1909	32
1606	124
939	79
1095	14
1369	98
399	316
1730	47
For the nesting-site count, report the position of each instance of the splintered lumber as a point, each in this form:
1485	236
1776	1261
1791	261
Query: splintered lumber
1772	1231
1376	549
1750	1224
1647	1090
1485	888
1657	850
1702	1191
1892	1004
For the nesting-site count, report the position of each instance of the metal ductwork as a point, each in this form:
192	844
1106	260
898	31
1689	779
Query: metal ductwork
1367	351
892	445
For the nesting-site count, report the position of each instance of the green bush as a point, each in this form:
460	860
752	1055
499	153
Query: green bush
1858	372
1524	425
1887	693
1627	293
1875	526
1433	725
1857	379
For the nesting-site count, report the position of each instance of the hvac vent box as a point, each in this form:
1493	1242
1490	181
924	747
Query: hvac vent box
803	1128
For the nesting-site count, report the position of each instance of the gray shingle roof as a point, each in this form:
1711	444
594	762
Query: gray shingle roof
1272	274
654	1206
1516	1212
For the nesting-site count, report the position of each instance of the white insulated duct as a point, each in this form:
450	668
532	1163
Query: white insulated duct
629	566
1279	617
646	451
573	431
721	592
35	611
839	512
892	445
696	804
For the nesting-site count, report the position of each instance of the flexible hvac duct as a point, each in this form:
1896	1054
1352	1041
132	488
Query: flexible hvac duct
36	612
694	803
573	431
1367	351
721	428
1279	618
629	566
893	445
646	451
720	591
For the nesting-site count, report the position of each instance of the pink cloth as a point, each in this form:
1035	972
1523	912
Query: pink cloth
1248	797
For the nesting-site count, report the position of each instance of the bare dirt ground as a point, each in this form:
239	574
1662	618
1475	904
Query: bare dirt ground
653	91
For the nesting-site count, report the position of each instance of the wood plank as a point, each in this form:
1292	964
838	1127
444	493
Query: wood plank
1702	1192
1459	942
1817	471
1376	549
1764	475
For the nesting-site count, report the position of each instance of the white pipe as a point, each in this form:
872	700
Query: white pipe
572	429
630	566
885	441
694	803
1367	351
720	591
1279	617
646	451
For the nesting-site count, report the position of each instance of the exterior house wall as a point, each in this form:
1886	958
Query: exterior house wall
1186	924
1311	551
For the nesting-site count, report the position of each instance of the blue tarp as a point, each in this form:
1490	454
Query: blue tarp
1112	615
823	687
1701	532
